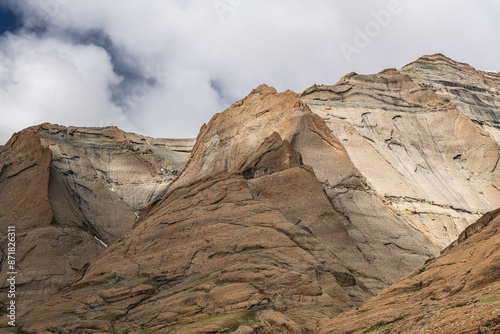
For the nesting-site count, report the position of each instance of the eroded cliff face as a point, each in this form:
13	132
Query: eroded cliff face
474	93
247	237
458	292
136	169
424	138
291	209
71	192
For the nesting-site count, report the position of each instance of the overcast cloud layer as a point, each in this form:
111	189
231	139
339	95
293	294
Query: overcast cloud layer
163	68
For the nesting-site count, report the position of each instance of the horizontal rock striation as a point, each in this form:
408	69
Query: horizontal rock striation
248	237
424	148
288	210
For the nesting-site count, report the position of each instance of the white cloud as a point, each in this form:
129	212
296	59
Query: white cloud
179	62
46	80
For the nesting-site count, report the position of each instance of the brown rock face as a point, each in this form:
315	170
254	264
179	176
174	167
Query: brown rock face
70	192
25	203
458	292
231	140
246	238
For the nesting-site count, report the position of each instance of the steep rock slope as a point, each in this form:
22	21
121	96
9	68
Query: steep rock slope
281	219
137	169
246	239
425	148
70	192
230	139
475	93
458	292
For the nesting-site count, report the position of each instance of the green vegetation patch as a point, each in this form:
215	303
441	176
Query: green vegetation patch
110	316
379	327
186	285
226	323
489	301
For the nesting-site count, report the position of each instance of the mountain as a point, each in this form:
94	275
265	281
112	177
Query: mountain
291	209
425	138
71	192
458	292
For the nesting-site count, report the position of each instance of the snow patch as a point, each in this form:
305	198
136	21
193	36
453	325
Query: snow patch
106	246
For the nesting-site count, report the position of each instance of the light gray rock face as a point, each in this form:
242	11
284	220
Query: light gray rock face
474	93
425	138
135	168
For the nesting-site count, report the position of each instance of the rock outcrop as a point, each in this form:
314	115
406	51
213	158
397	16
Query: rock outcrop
458	292
425	138
291	210
71	192
247	237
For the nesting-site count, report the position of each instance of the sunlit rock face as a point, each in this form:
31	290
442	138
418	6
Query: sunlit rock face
425	138
456	292
287	211
269	226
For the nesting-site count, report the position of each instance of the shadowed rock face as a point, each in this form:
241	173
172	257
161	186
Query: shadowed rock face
458	292
425	138
70	192
247	237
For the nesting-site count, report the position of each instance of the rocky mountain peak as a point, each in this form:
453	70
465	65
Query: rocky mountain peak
287	211
71	192
402	130
232	137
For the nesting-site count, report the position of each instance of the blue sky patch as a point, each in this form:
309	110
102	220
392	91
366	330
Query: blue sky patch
9	21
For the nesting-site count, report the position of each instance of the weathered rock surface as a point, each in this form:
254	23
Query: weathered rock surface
474	93
458	292
291	209
425	138
246	238
137	169
229	141
70	192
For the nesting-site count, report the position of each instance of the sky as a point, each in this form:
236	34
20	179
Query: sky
162	68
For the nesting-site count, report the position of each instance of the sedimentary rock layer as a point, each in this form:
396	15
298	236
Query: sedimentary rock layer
291	210
246	238
425	138
71	192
